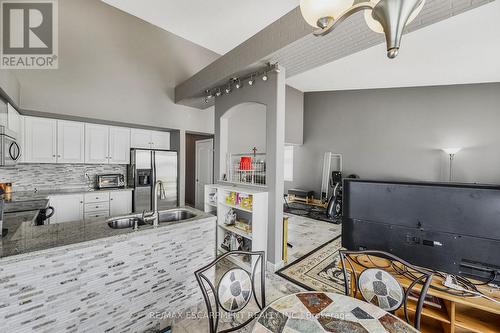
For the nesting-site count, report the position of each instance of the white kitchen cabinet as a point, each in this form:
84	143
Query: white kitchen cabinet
140	138
67	208
120	203
96	144
149	139
40	144
119	145
160	140
21	139
70	142
13	120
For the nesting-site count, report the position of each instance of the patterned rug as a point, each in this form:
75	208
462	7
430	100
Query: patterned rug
318	270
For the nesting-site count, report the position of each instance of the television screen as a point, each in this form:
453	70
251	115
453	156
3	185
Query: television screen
454	228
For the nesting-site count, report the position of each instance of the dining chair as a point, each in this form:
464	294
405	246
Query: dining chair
373	275
234	290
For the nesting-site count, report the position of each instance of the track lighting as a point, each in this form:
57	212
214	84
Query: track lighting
228	89
265	77
218	93
251	81
238	83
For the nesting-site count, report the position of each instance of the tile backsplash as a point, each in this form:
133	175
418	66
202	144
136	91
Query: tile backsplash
28	177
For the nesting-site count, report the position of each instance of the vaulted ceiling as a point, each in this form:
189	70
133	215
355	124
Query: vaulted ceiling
218	25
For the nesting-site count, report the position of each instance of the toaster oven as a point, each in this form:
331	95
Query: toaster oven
116	180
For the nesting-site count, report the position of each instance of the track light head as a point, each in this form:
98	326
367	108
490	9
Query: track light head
218	93
251	81
237	85
228	89
265	77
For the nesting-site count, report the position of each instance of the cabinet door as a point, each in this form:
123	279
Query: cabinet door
67	208
140	138
96	144
40	140
161	140
120	203
13	122
70	142
119	145
21	139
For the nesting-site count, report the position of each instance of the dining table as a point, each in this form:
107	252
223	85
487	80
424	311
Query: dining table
317	312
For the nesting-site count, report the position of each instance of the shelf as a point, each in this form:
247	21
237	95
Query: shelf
476	320
236	231
431	312
236	207
237	261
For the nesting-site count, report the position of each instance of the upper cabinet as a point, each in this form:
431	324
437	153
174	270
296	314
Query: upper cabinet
147	139
107	144
160	140
140	138
119	145
96	144
13	121
53	141
45	140
70	142
40	144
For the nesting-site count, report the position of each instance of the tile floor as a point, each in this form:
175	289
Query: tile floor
305	235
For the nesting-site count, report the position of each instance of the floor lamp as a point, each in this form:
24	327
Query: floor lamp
451	152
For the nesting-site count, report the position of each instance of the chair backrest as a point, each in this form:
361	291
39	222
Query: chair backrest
234	290
375	275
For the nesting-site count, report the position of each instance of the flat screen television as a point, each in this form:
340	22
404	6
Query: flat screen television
452	228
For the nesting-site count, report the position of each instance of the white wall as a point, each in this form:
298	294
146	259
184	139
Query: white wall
247	128
399	133
114	66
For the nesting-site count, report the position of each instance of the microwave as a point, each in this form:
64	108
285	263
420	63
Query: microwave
116	180
10	152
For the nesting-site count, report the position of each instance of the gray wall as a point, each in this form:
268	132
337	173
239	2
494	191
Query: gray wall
294	116
247	128
114	66
399	133
9	86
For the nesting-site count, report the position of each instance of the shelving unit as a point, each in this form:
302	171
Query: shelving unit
255	216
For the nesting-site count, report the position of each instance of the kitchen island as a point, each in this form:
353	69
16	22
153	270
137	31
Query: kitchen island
85	276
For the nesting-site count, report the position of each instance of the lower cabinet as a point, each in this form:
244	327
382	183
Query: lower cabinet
120	203
93	206
67	208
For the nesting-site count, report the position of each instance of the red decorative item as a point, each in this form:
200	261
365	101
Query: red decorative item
245	163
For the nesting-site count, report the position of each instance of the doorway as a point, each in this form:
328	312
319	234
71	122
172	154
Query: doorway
204	170
193	161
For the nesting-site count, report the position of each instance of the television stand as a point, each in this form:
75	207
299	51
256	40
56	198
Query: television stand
458	314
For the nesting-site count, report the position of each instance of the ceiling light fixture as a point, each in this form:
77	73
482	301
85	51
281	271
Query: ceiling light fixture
265	77
218	93
385	16
251	81
228	89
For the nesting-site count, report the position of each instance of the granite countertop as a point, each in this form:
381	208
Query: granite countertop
24	237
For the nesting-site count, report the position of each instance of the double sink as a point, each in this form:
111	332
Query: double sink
165	216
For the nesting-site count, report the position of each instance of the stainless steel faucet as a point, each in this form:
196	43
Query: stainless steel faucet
154	215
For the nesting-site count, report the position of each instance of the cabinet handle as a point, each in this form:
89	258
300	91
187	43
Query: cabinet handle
58	155
53	155
81	201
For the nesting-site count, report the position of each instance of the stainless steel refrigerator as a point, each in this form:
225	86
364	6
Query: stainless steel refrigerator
146	167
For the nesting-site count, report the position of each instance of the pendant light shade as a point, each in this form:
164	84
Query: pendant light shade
377	27
317	13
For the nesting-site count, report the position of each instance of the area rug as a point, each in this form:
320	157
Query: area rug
318	270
